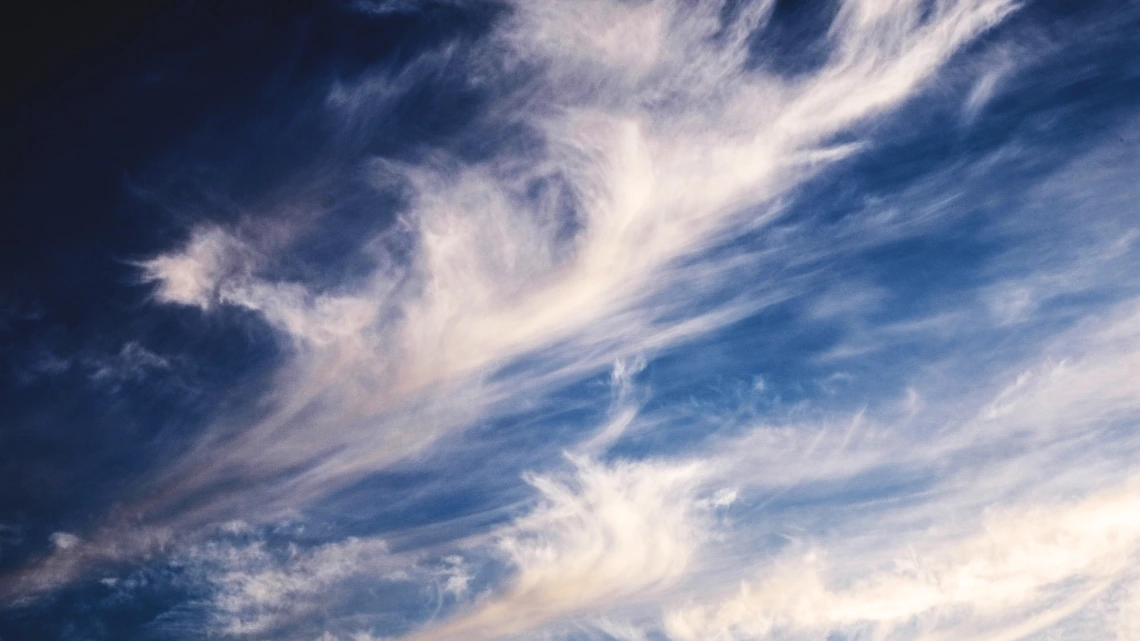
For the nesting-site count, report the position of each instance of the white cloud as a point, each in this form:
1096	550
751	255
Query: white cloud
623	406
608	535
456	575
74	555
667	144
64	540
1022	560
663	149
256	589
915	561
484	297
192	275
1127	620
653	184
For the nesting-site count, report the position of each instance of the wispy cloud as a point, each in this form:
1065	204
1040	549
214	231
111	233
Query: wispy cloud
638	195
254	589
657	143
981	548
133	362
607	534
1054	557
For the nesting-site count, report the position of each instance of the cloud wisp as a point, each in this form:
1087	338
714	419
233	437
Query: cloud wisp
607	534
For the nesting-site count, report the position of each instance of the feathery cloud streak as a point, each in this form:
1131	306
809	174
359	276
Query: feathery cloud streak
659	141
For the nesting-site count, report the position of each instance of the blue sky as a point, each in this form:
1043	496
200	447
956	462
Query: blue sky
596	320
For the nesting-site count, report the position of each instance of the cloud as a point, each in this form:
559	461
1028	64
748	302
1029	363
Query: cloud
64	540
255	589
607	535
133	362
1127	619
624	406
941	444
606	229
1022	561
882	529
192	275
73	556
495	274
910	560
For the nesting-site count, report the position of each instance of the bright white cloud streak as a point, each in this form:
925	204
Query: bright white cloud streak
606	534
1003	582
664	141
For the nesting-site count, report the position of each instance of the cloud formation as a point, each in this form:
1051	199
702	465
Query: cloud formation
608	534
991	585
683	337
657	142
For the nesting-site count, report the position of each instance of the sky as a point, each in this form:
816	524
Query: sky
571	320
